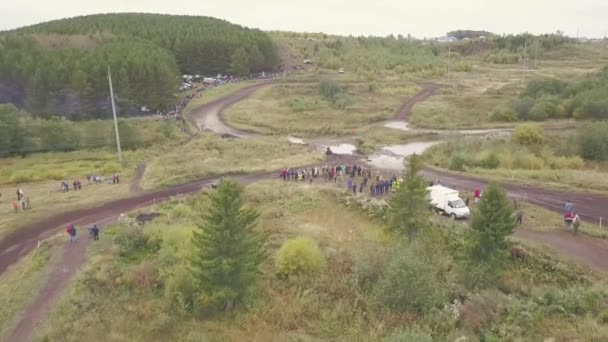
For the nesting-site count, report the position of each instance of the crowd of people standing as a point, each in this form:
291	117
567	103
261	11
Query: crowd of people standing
357	178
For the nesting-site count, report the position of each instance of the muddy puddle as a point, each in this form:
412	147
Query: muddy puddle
391	157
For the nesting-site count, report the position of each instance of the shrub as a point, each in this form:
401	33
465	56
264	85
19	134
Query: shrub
546	107
503	113
132	242
593	141
369	268
299	257
522	106
502	57
180	290
490	161
529	135
528	161
409	284
458	162
538	88
329	90
481	309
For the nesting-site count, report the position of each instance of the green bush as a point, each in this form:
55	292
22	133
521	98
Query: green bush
458	161
409	284
528	135
503	113
528	161
329	90
180	290
539	88
299	257
522	106
369	268
592	140
131	241
490	161
502	57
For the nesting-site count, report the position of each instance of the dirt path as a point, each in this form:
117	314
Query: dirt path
589	206
591	252
584	249
208	116
428	90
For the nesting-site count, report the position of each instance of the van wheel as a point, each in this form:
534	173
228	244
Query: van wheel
453	217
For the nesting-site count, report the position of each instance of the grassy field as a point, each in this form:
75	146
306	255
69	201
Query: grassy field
299	109
210	155
466	98
22	280
551	163
537	298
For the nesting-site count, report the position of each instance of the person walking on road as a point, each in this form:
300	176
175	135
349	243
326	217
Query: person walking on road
519	217
576	223
568	207
71	230
95	232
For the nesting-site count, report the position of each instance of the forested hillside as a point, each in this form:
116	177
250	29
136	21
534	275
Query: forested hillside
59	67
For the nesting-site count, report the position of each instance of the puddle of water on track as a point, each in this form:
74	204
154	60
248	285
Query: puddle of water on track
295	140
383	161
343	149
411	148
391	157
402	125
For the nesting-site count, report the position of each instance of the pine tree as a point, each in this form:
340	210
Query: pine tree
228	250
491	224
408	213
239	64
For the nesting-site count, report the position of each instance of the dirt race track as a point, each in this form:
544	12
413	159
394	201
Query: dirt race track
590	206
589	251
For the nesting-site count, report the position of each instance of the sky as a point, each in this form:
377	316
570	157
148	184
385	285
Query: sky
422	18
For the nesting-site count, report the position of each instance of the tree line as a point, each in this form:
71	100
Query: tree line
59	68
21	134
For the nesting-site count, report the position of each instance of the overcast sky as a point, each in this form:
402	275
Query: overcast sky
421	18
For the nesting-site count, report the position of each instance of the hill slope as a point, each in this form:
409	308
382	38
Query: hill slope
58	68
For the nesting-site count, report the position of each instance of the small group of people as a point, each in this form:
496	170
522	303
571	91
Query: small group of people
72	232
115	178
383	187
76	185
22	202
571	218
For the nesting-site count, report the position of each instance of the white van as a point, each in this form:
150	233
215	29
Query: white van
447	201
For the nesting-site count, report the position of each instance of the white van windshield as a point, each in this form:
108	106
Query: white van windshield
457	204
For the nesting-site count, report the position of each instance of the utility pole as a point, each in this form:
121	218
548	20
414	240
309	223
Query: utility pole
536	54
449	61
523	70
114	114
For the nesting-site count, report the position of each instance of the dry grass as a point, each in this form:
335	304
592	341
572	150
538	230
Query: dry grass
210	155
465	99
299	109
47	200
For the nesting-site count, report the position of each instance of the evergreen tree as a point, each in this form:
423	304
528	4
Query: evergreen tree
491	224
228	250
239	64
408	213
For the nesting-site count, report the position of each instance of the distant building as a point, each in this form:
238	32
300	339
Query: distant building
446	39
